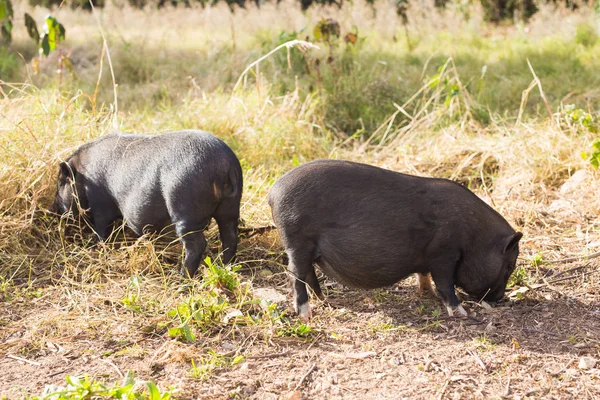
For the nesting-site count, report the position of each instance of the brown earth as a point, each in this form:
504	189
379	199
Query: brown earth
380	344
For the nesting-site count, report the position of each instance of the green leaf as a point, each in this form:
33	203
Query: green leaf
153	392
53	35
326	29
189	336
129	378
237	360
45	45
32	29
435	80
73	381
183	332
175	332
6	31
6	9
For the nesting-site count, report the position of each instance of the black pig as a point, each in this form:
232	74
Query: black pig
369	227
181	179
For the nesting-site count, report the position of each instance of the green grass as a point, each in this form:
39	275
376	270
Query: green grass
356	84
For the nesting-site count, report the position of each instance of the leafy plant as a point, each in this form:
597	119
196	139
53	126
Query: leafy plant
207	364
54	31
221	277
519	277
537	260
326	30
203	311
298	329
578	117
86	388
594	156
130	301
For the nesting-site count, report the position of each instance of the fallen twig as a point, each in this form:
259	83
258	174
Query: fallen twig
285	353
249	232
507	389
548	283
312	368
577	258
441	394
62	371
476	357
560	371
37	364
571	270
112	364
566	278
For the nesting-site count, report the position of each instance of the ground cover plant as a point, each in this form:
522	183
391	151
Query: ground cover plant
511	111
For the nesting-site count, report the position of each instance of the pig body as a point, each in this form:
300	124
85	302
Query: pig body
179	179
369	227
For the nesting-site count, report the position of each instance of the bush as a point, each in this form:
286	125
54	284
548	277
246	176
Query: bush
586	35
9	65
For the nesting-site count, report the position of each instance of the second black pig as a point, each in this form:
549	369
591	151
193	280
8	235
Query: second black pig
180	178
370	227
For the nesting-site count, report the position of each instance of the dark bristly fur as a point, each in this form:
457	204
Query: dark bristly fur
181	178
369	227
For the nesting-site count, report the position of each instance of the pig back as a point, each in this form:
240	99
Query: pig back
152	176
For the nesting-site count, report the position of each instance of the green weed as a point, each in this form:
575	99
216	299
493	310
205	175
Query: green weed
86	388
218	276
484	343
203	311
297	329
519	277
130	301
205	366
537	260
593	157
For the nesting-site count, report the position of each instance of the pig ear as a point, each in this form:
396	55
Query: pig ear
67	170
512	241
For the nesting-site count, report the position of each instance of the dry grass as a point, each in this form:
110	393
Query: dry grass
74	307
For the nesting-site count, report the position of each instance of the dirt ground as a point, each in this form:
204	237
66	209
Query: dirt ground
379	344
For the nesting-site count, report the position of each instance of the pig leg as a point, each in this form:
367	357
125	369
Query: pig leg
444	282
300	265
194	245
104	213
424	284
313	282
227	217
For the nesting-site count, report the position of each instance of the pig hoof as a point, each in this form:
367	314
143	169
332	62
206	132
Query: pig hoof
460	309
304	312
